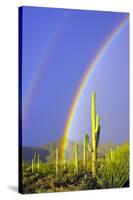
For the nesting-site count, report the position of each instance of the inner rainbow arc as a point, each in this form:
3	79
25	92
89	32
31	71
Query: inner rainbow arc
84	81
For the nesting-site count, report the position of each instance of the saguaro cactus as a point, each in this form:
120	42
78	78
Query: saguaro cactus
38	162
32	165
57	161
95	129
112	154
34	160
64	163
85	151
76	158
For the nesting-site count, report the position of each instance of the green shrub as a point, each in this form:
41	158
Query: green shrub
114	172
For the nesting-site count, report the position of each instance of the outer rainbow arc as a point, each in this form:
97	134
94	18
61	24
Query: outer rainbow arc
37	72
83	83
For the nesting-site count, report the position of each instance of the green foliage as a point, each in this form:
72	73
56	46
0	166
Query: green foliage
85	166
111	173
114	171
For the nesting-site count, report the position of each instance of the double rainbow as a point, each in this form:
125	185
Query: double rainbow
84	81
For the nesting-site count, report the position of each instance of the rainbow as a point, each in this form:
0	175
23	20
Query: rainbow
84	81
37	71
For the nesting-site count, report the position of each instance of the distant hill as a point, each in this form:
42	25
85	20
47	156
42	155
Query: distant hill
47	151
28	153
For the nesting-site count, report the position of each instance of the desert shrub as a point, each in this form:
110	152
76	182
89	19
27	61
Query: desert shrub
47	169
114	172
25	165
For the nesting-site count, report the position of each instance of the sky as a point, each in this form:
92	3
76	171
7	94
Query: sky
57	47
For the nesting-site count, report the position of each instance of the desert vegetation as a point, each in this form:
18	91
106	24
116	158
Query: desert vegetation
84	166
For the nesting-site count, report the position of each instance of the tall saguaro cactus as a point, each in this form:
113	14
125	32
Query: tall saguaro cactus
57	161
95	129
76	158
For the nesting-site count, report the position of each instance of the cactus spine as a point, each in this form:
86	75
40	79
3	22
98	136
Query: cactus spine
95	129
76	158
57	161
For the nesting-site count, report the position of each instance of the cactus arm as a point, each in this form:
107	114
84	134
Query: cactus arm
88	144
98	136
97	123
89	148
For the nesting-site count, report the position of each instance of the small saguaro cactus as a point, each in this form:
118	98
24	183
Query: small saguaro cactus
64	163
111	154
32	165
57	161
85	152
76	158
38	162
110	157
95	130
34	160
